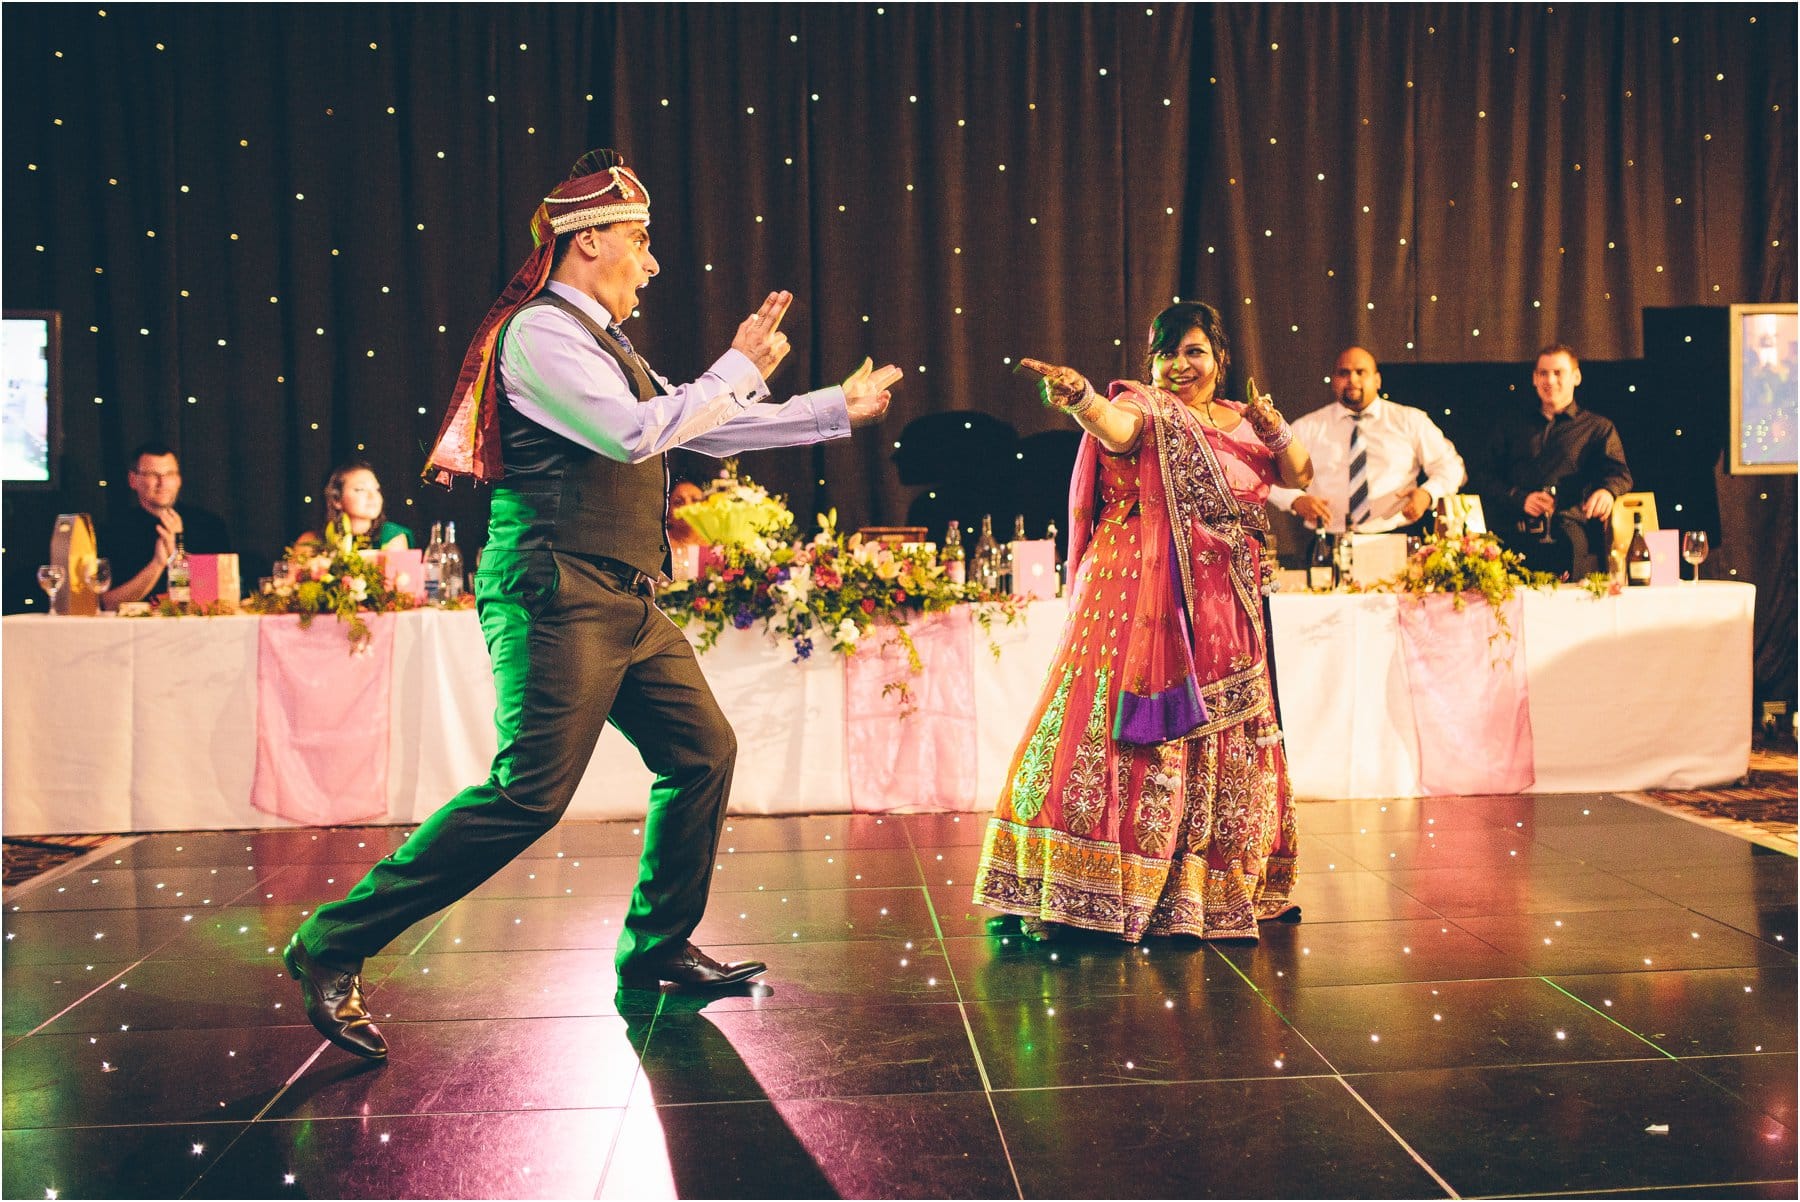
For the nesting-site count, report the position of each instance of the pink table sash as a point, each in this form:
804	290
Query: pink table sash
926	759
322	721
1470	697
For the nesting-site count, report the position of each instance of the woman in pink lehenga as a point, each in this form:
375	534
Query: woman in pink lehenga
1150	794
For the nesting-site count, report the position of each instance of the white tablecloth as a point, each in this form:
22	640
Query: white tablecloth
1647	690
116	724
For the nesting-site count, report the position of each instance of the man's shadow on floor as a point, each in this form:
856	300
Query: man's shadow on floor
687	1061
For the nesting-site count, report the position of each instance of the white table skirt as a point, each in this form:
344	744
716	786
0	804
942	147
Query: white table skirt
1647	690
114	724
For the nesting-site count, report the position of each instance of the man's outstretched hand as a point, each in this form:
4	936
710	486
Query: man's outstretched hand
759	335
866	393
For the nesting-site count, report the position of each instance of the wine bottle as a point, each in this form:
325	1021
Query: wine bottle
1321	572
434	554
181	590
1637	558
985	564
955	566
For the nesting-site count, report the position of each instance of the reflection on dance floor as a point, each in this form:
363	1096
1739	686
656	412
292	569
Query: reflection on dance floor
1487	996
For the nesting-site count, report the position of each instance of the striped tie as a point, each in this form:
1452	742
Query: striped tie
1359	475
618	334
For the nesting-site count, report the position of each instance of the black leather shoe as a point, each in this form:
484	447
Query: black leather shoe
688	967
334	1003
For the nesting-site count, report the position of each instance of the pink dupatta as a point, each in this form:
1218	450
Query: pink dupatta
1194	659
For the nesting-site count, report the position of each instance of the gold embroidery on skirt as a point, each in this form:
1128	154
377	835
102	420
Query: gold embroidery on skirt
1031	784
1203	768
1155	817
1084	798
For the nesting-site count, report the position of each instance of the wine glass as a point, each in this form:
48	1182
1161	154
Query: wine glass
1544	535
50	579
99	575
1695	549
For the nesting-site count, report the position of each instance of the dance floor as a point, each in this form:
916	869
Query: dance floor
1488	996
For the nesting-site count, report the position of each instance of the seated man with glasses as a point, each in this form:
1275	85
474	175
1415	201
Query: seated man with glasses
140	540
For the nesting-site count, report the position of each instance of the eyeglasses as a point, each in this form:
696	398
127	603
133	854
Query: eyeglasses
159	477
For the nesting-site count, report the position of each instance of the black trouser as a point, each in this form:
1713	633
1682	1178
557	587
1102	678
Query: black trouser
575	643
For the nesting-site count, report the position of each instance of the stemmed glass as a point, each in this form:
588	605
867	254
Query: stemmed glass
99	576
1544	535
1695	549
50	579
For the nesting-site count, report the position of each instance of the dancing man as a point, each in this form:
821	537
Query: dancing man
571	425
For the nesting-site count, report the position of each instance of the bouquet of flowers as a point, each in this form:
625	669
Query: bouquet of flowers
333	577
735	510
1465	564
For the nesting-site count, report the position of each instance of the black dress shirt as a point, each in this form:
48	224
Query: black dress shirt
1577	451
128	539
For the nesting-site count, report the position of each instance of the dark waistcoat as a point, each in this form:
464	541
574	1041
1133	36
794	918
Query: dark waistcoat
558	495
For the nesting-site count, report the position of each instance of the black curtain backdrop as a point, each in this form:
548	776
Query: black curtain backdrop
272	229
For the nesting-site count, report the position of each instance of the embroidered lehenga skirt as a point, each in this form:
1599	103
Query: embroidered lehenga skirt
1190	837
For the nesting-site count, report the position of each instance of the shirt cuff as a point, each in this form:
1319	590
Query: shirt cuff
831	412
740	375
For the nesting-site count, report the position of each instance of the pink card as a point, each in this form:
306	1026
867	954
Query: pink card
214	578
1665	556
405	571
1034	568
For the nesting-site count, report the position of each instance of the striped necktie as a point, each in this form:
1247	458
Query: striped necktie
1359	475
618	334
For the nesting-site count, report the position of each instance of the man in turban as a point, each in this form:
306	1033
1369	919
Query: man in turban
571	425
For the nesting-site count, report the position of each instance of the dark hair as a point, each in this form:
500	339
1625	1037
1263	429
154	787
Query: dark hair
332	505
591	163
155	447
1172	325
1557	348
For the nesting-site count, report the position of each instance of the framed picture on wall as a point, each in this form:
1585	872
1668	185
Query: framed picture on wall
1765	389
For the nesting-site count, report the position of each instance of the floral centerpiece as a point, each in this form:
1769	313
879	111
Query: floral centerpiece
1466	564
332	577
831	590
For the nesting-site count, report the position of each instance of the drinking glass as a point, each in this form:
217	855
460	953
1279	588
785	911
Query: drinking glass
50	579
1695	549
1544	535
99	575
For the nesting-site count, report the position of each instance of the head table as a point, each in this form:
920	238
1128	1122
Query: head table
141	724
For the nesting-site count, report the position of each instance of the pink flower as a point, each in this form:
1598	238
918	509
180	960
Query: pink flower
1492	551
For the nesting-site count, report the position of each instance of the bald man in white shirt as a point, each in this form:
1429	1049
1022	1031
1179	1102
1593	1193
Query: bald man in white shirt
1368	454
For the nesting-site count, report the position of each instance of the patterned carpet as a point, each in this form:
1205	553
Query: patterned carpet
1761	807
26	858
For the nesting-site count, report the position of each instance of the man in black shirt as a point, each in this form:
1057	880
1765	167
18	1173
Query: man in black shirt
1562	465
140	540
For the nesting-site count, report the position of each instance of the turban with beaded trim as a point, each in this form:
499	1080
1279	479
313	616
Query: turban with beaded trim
600	190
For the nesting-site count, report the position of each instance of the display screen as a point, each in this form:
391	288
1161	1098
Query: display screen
1765	393
27	435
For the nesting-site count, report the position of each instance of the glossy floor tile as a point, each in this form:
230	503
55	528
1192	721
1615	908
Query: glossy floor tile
1579	1127
1487	996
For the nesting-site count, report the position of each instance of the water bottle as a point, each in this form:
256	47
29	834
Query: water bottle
450	565
434	554
986	561
181	590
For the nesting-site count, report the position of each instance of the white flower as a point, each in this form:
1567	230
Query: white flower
847	633
359	588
